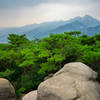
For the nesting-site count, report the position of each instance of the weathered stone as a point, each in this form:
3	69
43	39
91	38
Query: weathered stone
49	76
7	91
30	96
75	81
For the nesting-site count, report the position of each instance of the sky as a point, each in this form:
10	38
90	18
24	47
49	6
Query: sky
16	13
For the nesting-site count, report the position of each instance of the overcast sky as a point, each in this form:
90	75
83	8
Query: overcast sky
24	12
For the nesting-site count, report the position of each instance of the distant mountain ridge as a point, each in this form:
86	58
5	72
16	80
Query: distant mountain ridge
86	24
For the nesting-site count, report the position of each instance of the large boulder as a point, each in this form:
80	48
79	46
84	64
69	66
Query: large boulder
75	81
30	96
7	91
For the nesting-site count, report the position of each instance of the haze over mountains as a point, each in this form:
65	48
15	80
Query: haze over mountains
86	24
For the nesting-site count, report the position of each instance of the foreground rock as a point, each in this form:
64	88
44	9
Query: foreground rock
30	96
7	91
75	81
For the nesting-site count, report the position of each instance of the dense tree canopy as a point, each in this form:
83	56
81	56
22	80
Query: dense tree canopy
25	63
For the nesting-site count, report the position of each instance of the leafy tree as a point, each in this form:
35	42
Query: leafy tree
17	40
25	63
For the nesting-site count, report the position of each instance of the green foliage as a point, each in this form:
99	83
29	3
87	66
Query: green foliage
75	33
3	46
20	91
7	73
25	63
17	40
47	68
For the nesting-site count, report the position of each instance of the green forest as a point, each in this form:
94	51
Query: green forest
26	63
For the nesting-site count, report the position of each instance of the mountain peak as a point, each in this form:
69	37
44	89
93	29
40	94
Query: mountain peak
86	24
87	16
89	21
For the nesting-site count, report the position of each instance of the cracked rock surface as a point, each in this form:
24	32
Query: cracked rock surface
75	81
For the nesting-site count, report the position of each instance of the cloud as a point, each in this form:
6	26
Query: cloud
18	3
23	12
26	3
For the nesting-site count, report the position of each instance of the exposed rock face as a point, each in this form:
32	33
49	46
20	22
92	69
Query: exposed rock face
75	81
30	96
49	76
7	91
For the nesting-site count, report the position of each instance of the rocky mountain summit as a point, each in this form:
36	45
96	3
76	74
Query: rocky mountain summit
75	81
